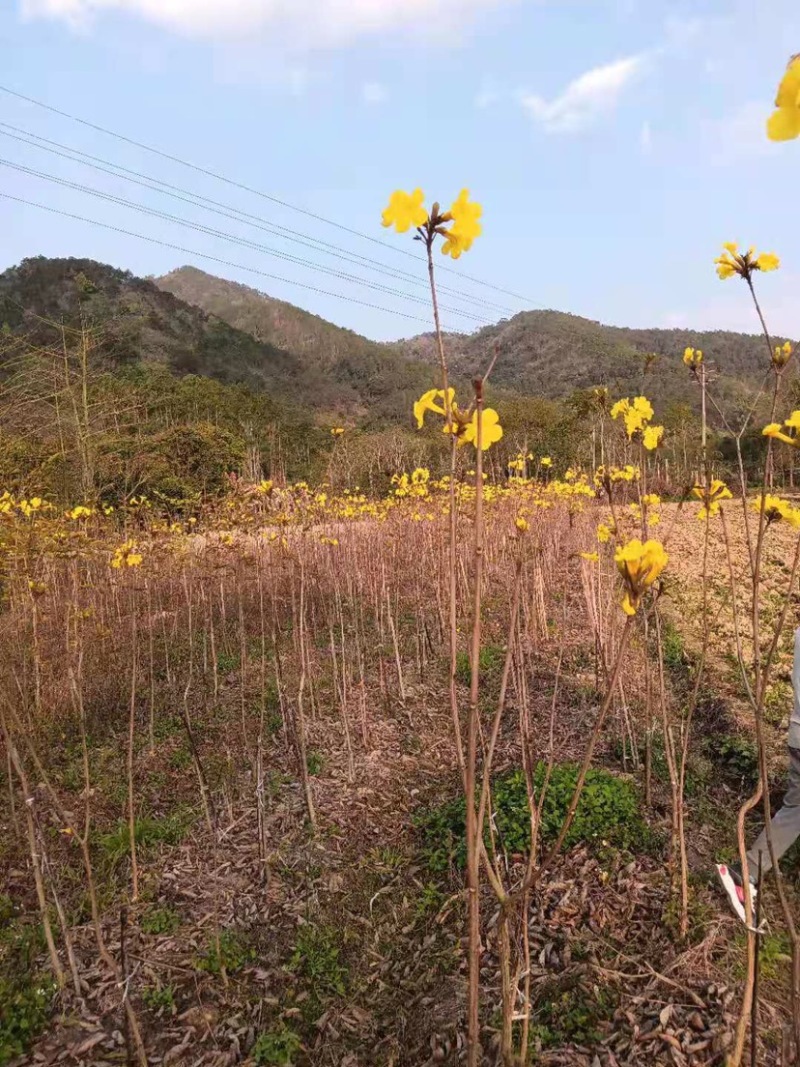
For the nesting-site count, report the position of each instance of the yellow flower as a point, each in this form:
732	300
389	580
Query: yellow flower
732	261
784	123
590	557
651	438
693	357
776	510
545	461
792	424
454	244
405	210
711	497
640	565
767	261
428	402
782	355
465	228
521	524
491	430
80	512
604	532
337	431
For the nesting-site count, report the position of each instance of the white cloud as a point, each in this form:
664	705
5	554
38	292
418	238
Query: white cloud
594	93
324	22
374	93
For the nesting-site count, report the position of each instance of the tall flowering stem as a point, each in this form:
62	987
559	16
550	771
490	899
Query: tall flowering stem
473	831
452	518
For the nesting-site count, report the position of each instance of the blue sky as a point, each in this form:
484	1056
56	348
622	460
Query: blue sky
614	145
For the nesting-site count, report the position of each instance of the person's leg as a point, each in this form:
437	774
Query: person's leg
785	823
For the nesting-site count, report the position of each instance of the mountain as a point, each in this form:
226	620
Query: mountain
331	371
539	353
373	379
139	322
553	354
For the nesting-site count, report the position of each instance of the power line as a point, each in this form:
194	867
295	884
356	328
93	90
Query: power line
157	185
249	189
231	238
208	256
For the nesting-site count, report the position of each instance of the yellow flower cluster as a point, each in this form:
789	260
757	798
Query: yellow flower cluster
637	414
518	463
126	555
788	431
337	431
35	506
415	484
604	476
407	210
461	235
693	357
784	123
639	564
711	497
782	355
733	262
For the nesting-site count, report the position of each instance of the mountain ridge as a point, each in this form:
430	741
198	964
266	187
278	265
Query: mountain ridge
545	353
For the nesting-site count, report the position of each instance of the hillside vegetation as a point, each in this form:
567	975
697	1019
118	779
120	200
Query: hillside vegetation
114	385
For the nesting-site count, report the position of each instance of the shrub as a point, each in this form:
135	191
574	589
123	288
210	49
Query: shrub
672	647
608	811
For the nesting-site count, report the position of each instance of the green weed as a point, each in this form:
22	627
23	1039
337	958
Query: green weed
490	662
276	1048
148	833
159	998
227	662
26	994
315	761
608	814
160	921
739	757
316	959
572	1013
232	953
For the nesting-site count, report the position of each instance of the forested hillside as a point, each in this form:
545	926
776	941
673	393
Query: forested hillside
550	353
113	385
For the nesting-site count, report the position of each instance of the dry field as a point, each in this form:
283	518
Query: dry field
267	707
